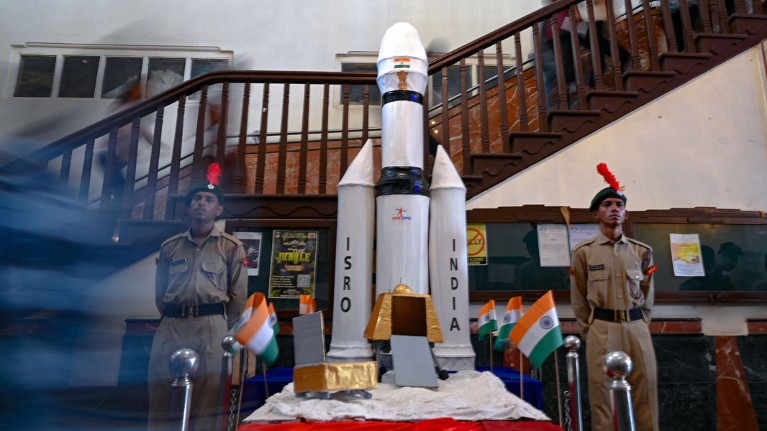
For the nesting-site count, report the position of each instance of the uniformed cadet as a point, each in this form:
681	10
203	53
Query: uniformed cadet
611	291
200	291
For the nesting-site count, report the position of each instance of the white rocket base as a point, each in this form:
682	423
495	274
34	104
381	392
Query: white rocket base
350	353
455	358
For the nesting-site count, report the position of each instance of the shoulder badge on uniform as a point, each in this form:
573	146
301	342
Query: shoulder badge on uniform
651	269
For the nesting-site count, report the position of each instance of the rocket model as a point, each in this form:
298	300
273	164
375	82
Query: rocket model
402	193
408	251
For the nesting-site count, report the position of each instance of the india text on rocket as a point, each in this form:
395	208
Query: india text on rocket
419	240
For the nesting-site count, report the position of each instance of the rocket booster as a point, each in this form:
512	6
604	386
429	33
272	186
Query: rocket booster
449	266
354	260
402	193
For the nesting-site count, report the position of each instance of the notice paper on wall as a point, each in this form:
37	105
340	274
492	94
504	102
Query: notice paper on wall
685	255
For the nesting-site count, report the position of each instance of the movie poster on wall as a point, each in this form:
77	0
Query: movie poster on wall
251	241
293	263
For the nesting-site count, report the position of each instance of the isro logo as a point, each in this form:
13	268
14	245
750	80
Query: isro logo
401	215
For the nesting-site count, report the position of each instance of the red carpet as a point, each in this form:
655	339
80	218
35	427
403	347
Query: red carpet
443	424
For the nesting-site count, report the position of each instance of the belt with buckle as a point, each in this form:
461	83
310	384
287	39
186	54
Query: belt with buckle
618	315
194	310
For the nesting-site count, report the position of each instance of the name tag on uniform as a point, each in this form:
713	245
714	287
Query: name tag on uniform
599	267
179	262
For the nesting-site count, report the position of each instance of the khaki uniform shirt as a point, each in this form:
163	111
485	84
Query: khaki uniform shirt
611	275
213	272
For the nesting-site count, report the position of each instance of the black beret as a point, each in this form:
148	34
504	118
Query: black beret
205	187
607	192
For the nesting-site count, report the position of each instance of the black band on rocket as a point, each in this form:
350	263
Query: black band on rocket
402	180
396	95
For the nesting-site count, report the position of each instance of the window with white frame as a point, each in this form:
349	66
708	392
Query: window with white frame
88	72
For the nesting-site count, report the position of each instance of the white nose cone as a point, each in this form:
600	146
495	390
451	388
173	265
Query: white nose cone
402	51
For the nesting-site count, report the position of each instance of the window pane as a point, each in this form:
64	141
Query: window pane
164	74
203	66
453	84
35	76
78	78
491	76
356	91
120	75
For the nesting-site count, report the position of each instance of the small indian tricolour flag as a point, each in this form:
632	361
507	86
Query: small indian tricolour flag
402	63
510	318
273	321
306	304
487	321
537	333
257	335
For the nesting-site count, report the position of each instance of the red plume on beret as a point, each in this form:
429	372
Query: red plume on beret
608	176
214	173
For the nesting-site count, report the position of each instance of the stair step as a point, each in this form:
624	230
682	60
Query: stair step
610	101
571	121
531	142
471	180
718	43
646	82
493	164
682	62
745	23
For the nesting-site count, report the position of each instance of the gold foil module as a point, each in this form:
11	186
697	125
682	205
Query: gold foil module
403	314
335	376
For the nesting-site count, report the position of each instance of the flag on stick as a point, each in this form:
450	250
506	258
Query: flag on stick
247	312
273	321
537	333
306	304
510	318
487	321
257	335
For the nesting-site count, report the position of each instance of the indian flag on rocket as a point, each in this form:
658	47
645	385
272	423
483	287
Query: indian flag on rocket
537	333
306	304
257	335
401	62
510	318
487	321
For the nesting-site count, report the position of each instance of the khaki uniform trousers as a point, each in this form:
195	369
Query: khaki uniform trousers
203	335
632	338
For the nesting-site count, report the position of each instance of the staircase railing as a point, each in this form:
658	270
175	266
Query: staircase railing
295	133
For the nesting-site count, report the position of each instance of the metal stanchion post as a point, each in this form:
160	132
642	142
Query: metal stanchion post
226	384
573	344
183	363
618	366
